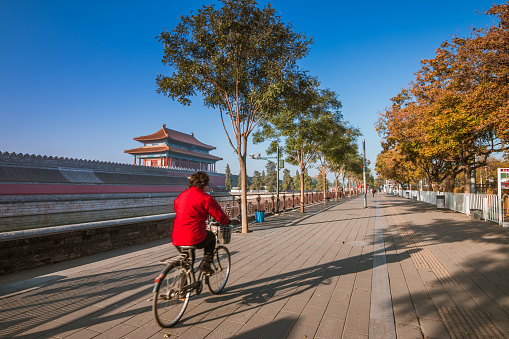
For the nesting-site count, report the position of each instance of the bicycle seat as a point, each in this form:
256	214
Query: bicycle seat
188	247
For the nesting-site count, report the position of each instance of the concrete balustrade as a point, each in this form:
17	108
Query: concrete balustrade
22	250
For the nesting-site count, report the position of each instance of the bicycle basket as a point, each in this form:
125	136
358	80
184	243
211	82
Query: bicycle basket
223	233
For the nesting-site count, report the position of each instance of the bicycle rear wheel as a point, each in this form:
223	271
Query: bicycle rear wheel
221	265
169	303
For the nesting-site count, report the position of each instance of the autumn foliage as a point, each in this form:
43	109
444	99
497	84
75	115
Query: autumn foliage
455	114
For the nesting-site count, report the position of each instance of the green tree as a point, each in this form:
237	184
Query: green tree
320	180
228	178
287	185
370	179
271	176
296	181
337	143
307	114
309	184
339	165
257	181
239	58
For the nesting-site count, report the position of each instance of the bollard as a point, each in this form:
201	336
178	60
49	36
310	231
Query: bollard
441	202
475	214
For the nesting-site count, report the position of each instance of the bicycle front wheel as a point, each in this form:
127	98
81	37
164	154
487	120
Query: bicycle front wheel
169	301
221	265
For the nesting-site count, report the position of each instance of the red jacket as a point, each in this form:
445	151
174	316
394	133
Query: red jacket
193	207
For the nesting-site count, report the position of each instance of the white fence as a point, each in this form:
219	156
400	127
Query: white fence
428	197
465	203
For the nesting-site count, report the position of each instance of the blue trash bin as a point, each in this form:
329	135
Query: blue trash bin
259	215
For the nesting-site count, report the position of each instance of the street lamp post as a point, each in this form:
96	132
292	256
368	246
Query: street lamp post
364	171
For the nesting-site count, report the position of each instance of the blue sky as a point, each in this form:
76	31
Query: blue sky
77	79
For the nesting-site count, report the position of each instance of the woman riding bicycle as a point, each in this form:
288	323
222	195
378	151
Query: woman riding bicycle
193	207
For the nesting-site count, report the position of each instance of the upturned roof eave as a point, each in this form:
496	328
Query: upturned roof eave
166	133
158	149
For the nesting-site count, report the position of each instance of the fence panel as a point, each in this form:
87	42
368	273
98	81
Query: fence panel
449	200
505	210
490	207
429	197
460	205
476	201
465	202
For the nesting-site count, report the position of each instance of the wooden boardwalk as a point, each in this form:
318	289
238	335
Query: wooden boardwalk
397	269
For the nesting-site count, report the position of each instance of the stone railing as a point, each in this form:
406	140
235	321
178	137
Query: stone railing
23	250
268	202
29	212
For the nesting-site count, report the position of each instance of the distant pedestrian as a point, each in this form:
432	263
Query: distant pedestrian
374	191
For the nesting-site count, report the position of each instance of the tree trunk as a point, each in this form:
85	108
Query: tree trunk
344	188
302	169
449	183
324	182
336	188
466	179
243	189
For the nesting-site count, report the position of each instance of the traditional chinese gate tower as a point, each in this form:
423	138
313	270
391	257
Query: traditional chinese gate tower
172	149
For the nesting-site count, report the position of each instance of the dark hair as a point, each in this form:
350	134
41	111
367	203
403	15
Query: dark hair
199	179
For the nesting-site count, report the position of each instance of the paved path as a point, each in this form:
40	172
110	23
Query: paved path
397	269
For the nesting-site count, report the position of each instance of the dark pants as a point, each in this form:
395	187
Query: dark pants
208	244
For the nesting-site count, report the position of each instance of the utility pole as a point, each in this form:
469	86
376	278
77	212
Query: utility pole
364	171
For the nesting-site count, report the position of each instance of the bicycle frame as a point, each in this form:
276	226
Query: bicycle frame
171	295
188	263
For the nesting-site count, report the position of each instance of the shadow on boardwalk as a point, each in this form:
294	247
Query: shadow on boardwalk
120	298
447	225
476	259
63	298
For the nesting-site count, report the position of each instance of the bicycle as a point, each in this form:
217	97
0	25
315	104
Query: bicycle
178	280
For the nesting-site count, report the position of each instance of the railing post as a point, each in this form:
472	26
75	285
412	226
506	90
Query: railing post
239	201
228	210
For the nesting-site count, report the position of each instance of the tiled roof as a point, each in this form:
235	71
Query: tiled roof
166	133
148	149
164	148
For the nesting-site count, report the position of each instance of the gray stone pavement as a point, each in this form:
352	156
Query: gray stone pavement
397	269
